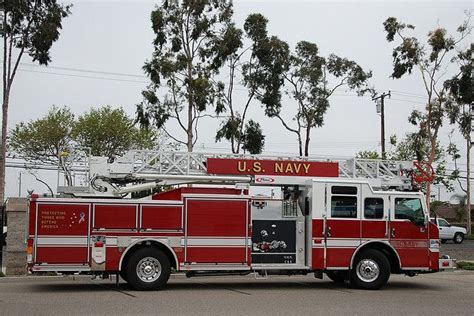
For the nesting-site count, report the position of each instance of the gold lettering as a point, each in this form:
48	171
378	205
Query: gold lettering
306	168
297	167
278	167
241	166
289	168
257	167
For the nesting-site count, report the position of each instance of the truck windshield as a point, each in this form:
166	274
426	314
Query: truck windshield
408	208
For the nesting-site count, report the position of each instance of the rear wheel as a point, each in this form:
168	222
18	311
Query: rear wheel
371	270
148	269
458	238
337	276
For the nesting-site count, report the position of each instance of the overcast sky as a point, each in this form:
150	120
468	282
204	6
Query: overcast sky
116	36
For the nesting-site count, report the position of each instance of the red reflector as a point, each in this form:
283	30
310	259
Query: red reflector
98	244
445	264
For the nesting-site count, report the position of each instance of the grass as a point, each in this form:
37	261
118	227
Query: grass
1	274
465	265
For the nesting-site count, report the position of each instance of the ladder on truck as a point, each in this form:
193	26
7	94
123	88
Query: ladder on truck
153	168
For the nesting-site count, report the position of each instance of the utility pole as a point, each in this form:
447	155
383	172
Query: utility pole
380	102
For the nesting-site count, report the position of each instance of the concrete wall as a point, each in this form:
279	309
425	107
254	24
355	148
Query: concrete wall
14	258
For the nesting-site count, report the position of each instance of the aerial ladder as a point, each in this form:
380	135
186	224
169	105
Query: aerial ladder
140	170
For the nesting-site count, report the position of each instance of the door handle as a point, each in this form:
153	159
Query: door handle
393	232
328	232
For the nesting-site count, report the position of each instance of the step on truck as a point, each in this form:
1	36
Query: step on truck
356	221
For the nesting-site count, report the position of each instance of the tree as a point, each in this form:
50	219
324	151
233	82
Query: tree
310	80
368	154
110	132
262	76
430	61
458	106
29	27
188	52
413	147
52	138
46	140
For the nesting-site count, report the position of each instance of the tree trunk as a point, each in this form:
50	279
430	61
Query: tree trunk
307	140
468	184
3	149
190	110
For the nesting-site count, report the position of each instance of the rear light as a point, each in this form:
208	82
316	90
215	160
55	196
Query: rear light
445	263
29	250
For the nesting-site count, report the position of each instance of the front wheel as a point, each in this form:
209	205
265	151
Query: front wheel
148	269
458	238
371	270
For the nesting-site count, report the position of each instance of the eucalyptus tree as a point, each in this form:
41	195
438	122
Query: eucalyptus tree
458	107
27	27
310	80
430	62
188	53
261	65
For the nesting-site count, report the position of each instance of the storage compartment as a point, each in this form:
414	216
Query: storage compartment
161	217
112	216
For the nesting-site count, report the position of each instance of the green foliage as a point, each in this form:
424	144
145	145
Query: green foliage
368	154
262	76
253	138
430	60
50	139
47	139
465	265
33	26
415	146
110	132
311	81
192	41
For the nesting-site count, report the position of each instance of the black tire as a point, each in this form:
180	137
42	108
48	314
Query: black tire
147	269
443	241
123	275
458	238
337	276
371	270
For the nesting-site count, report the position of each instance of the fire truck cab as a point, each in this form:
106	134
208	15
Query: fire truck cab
317	223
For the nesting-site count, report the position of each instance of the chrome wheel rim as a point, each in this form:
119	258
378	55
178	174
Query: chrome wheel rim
458	238
148	269
367	270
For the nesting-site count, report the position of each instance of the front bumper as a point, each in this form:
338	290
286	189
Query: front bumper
446	263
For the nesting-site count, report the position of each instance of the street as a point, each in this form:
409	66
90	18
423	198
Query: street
434	294
463	251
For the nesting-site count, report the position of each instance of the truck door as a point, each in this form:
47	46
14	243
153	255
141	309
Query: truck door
408	233
342	225
375	210
217	231
444	229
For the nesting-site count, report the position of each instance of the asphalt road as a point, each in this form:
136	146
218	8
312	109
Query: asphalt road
447	293
464	251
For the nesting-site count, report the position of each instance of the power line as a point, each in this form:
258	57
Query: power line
86	70
81	76
100	72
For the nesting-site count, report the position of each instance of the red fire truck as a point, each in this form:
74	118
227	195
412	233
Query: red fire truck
357	220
